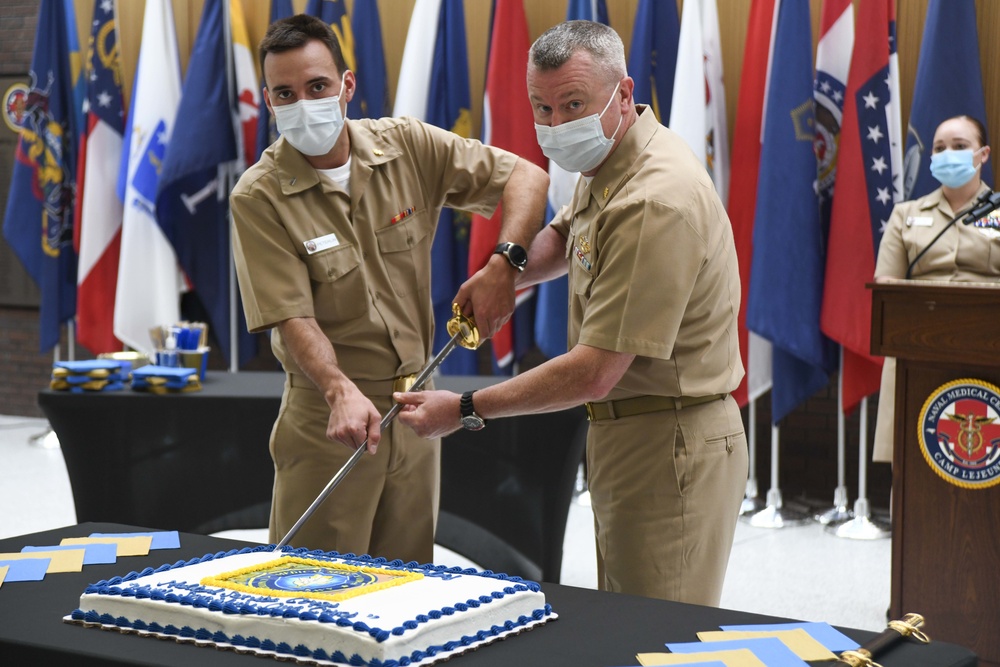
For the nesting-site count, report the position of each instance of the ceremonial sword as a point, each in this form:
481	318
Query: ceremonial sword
463	332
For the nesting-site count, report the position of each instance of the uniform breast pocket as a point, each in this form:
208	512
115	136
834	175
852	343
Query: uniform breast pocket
339	290
405	250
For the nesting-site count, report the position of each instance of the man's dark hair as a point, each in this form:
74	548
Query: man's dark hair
293	32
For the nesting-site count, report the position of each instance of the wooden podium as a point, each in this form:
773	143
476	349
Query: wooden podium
945	536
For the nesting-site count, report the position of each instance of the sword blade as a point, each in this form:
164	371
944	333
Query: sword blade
418	384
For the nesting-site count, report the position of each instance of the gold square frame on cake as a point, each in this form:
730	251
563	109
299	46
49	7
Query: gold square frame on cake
291	576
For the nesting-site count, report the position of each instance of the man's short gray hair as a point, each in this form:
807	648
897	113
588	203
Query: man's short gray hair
557	44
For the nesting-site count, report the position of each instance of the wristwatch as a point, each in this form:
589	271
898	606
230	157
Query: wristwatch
470	420
515	254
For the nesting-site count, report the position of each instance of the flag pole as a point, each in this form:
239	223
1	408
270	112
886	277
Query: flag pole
751	498
840	511
228	181
47	439
862	526
775	515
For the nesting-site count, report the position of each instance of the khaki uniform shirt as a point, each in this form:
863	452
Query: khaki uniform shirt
653	269
964	253
358	262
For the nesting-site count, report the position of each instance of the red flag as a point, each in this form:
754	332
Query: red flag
868	184
100	210
746	160
508	124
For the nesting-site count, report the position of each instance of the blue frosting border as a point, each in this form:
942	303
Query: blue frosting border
114	587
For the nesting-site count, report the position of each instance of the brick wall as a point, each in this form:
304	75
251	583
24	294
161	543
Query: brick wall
23	369
17	35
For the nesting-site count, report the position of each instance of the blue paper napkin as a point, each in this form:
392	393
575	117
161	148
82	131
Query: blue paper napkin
772	651
26	569
162	539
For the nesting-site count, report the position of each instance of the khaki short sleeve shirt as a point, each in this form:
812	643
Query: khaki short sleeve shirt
358	262
653	269
965	253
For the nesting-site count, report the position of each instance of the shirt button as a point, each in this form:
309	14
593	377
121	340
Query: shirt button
409	240
395	333
364	255
329	273
377	296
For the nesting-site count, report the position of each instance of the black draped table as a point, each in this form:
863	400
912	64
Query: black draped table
199	462
594	628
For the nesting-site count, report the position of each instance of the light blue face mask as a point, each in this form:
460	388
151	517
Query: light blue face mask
954	168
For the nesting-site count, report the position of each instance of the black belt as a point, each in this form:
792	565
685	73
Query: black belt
627	407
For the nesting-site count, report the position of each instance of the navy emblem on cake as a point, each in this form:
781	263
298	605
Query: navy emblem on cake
311	578
959	433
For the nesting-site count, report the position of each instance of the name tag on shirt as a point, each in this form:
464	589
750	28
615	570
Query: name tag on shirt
919	221
321	243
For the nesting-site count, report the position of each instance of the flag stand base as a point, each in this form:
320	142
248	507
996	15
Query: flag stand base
751	501
862	526
840	512
776	516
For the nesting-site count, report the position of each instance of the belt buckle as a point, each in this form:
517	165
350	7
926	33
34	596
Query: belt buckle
590	412
404	382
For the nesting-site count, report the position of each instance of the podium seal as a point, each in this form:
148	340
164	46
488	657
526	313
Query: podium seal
959	433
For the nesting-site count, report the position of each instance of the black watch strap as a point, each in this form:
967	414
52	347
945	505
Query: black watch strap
466	406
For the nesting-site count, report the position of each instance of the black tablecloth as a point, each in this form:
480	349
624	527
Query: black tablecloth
194	461
199	462
593	628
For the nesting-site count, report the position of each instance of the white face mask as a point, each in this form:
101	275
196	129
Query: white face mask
311	126
579	145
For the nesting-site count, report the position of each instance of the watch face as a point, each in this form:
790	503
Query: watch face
472	422
517	254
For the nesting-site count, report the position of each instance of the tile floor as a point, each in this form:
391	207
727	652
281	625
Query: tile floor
802	572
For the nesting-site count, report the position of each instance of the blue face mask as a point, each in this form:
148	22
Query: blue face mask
953	168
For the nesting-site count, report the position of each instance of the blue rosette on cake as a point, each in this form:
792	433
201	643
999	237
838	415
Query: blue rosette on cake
90	375
165	379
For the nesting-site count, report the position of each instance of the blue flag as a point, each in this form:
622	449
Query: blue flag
267	133
786	280
449	105
334	13
371	100
949	83
552	299
38	222
652	58
192	205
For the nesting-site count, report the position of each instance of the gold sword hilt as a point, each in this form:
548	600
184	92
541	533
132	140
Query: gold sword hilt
466	325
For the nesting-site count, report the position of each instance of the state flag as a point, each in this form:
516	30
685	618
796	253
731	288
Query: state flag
868	185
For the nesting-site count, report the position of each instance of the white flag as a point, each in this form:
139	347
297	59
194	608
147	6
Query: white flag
418	56
149	281
698	107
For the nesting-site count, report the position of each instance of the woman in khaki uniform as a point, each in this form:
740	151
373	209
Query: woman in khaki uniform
963	253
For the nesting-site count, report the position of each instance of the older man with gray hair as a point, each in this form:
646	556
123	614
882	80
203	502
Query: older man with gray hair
653	353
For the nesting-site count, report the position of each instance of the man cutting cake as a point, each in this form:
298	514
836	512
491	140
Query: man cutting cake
654	294
332	237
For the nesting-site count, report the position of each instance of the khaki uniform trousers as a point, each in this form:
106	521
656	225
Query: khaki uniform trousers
386	506
666	489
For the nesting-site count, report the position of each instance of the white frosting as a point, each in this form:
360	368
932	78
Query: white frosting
412	609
